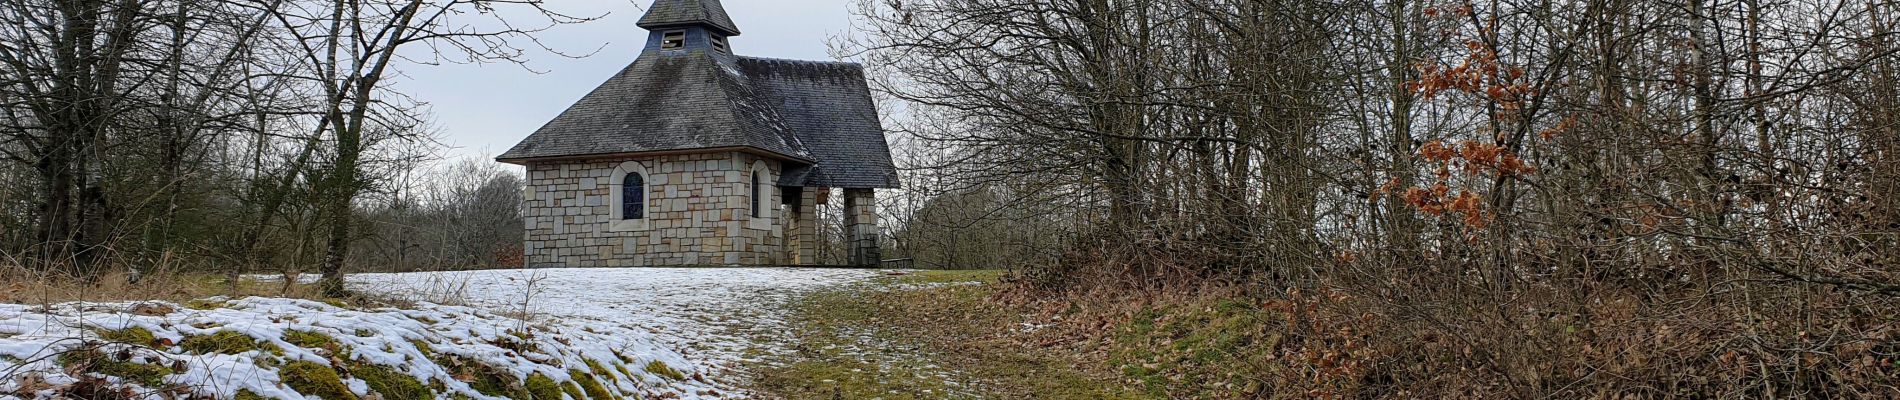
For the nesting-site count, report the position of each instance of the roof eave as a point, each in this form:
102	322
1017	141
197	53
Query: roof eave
525	161
724	30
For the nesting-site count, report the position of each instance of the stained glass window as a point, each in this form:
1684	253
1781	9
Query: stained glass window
633	197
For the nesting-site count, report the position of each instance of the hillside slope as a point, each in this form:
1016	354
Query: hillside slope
268	348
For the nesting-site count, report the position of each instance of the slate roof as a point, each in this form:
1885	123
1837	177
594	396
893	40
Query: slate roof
827	105
663	103
671	13
817	115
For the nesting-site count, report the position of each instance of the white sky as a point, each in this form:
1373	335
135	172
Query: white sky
482	110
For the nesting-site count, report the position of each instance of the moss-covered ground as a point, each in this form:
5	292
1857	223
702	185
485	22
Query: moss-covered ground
328	382
317	380
133	336
225	342
98	362
925	335
390	383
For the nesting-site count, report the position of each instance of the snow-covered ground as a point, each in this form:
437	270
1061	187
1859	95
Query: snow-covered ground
44	350
711	316
615	323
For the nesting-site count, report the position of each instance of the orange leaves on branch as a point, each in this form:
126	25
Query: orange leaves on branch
1472	207
1437	201
1389	186
1472	157
1511	165
1480	153
1480	75
1430	201
1458	11
1566	125
1483	157
1437	152
1476	157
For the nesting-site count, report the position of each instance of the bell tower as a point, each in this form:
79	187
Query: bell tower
687	26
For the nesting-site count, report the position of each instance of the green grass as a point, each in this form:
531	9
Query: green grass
1205	349
595	391
659	368
946	276
932	343
573	390
541	387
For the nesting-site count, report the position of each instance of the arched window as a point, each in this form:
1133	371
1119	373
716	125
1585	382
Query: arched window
758	196
761	186
633	197
628	197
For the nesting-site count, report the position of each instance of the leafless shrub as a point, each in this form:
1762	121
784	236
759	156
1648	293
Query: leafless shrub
1517	199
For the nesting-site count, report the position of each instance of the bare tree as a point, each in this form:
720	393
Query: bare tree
352	46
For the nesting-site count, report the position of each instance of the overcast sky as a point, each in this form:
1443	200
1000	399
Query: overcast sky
485	109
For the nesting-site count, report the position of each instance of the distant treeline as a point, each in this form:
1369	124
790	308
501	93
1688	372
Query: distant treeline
236	135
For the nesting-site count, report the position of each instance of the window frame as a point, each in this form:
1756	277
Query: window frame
719	44
667	42
757	193
616	185
760	212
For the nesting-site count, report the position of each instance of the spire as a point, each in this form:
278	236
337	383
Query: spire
678	13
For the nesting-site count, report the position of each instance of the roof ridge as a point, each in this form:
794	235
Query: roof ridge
796	61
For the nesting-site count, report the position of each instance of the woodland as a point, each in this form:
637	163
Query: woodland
1440	198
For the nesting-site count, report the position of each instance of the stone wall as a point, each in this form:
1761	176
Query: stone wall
697	214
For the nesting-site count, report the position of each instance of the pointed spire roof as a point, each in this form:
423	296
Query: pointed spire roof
675	13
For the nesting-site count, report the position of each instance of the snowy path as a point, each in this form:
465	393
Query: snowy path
713	317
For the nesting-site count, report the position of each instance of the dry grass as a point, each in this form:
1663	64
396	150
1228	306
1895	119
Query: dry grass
446	288
1429	337
23	286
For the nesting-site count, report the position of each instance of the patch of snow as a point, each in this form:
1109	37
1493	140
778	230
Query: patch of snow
32	339
701	322
708	316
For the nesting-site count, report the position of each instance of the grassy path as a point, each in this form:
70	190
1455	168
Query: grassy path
927	335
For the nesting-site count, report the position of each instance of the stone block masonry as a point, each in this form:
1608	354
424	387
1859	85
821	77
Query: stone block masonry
860	224
698	213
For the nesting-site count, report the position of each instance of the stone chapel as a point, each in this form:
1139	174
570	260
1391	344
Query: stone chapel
696	156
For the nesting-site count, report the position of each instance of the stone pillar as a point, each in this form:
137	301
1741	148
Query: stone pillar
801	229
860	227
